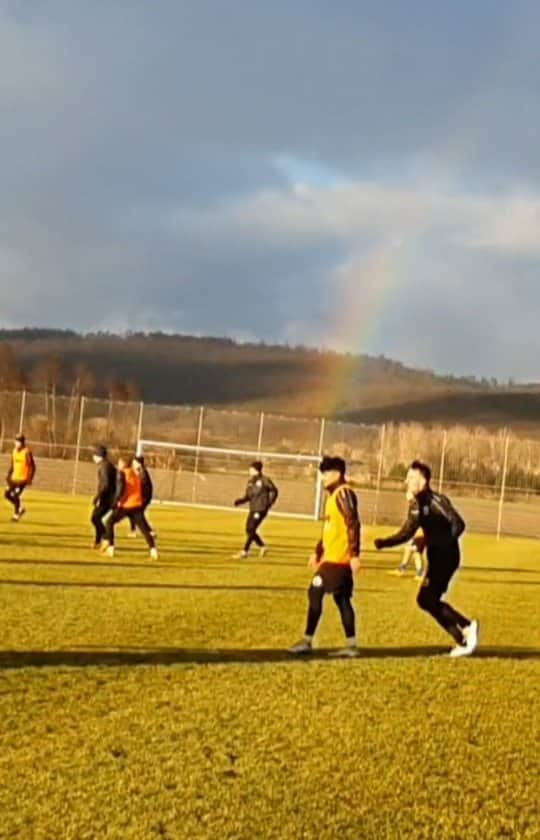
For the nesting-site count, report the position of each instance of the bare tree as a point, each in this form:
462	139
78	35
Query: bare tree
11	374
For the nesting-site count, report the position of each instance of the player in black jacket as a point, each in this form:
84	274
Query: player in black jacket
442	526
106	487
261	493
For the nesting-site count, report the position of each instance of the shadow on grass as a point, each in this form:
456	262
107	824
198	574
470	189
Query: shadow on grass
97	584
496	569
94	657
503	582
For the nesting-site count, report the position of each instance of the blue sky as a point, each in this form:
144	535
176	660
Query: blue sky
364	176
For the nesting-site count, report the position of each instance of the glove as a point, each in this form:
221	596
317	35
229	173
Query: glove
379	543
238	502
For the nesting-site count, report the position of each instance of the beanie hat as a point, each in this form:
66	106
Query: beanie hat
331	463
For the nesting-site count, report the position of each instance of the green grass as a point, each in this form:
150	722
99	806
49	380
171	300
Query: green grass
143	700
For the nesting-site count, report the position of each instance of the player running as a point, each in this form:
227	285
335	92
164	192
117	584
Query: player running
139	466
21	472
261	494
442	526
106	487
128	501
336	559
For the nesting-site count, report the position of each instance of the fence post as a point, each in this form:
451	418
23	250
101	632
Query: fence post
443	460
319	485
379	474
197	454
23	409
78	448
139	428
321	437
503	484
261	432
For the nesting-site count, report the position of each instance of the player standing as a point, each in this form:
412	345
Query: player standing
442	526
106	487
21	472
336	559
261	494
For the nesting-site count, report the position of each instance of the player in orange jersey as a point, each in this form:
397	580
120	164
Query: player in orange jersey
22	469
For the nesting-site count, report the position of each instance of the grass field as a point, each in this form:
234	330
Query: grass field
155	700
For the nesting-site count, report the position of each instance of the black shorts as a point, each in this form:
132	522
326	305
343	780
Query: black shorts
16	487
334	578
255	519
441	567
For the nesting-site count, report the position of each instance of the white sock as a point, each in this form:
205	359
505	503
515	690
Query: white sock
351	642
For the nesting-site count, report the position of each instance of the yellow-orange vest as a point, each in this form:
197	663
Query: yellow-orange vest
132	497
22	465
335	535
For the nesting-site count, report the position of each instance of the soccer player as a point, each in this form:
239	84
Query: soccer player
336	559
128	502
414	550
261	494
106	488
139	466
21	472
442	526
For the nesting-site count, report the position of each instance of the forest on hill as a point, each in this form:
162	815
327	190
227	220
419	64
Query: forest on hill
182	369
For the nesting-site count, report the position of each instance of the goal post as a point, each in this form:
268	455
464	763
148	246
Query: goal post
213	477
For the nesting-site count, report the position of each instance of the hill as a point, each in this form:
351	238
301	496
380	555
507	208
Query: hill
174	369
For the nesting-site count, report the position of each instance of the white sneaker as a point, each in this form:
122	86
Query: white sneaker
264	551
459	650
109	551
470	634
154	554
241	555
132	535
303	646
348	652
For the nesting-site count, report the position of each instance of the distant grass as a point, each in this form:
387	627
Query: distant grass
142	700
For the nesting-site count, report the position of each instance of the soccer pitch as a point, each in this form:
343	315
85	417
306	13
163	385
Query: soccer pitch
145	699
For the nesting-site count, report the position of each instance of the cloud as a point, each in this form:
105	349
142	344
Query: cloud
297	172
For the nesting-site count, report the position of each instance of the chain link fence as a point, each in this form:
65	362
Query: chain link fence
494	477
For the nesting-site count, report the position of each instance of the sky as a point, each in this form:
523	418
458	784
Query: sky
361	176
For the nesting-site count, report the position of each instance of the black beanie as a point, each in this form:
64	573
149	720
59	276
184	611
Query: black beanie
100	451
330	463
257	465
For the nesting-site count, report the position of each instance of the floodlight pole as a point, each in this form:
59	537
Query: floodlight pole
379	474
23	409
443	460
261	432
197	453
503	484
319	485
78	448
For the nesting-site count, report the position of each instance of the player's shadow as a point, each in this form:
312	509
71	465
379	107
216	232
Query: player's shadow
152	585
497	569
200	587
120	657
504	582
